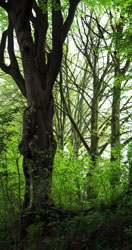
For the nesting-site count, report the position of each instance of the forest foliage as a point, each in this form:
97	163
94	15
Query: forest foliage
92	171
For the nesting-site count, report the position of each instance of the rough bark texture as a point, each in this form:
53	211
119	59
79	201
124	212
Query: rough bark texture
40	69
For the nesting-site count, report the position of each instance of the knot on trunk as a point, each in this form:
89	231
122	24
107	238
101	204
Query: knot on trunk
28	149
33	147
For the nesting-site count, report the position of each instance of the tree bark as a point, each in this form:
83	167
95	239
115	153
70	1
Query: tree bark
38	145
115	120
40	70
94	125
115	136
38	148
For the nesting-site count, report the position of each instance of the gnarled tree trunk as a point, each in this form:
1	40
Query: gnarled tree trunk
38	148
40	69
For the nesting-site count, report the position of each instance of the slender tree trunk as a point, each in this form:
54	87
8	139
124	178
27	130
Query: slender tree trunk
115	121
115	124
94	141
94	125
129	160
115	128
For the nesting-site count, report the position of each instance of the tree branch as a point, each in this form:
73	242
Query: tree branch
71	119
25	11
103	147
127	141
57	24
40	24
14	68
55	57
3	66
71	13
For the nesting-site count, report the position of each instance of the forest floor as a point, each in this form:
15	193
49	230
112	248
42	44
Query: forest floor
99	228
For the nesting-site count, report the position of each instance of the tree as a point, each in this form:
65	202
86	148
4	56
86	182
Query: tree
29	21
94	91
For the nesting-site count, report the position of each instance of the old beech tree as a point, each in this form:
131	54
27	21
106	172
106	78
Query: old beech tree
29	22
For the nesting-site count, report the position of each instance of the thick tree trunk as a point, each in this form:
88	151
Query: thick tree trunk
38	144
40	69
38	148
